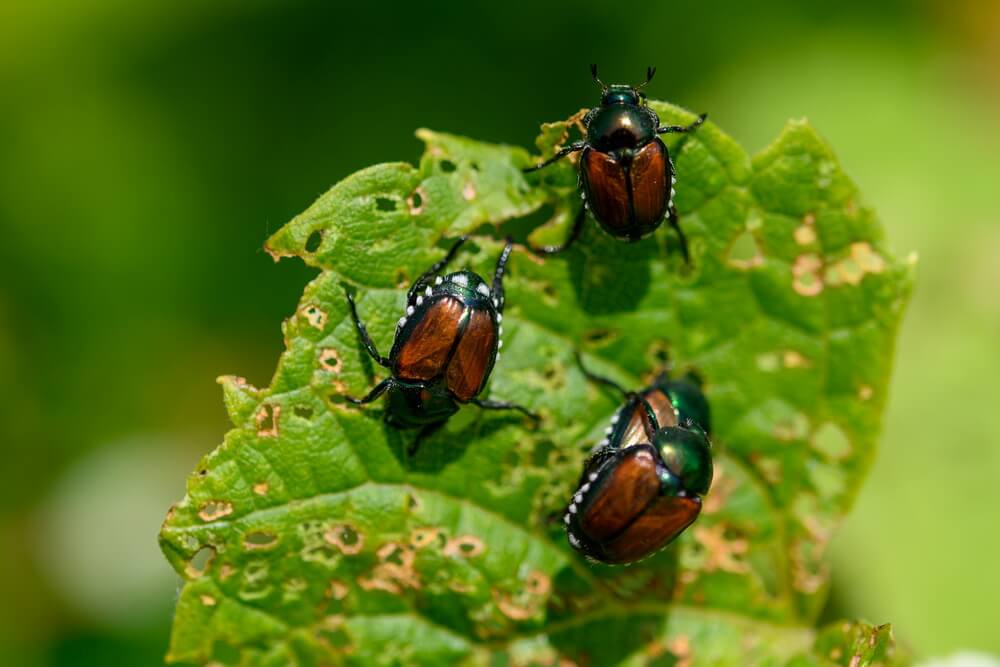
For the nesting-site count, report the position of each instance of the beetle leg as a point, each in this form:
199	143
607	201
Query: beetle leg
572	148
366	340
682	128
487	404
424	433
672	218
372	395
574	234
497	290
440	264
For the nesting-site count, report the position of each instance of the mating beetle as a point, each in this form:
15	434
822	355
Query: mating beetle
673	402
642	486
445	347
626	174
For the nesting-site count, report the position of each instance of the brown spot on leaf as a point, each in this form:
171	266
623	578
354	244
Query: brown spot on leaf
680	647
349	541
395	572
260	488
722	553
215	509
865	392
723	485
538	583
461	587
208	600
337	590
469	191
512	610
465	546
805	235
794	359
421	538
315	316
806	279
329	360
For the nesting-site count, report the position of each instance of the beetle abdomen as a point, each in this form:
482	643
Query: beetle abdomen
427	347
650	186
606	187
662	521
628	200
472	361
623	495
623	512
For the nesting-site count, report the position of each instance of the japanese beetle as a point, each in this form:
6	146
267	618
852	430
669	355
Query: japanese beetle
445	346
673	402
642	486
626	176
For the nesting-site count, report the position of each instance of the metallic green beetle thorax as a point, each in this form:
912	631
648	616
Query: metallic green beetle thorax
620	126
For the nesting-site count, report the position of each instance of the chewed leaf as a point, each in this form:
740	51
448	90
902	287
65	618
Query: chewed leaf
310	537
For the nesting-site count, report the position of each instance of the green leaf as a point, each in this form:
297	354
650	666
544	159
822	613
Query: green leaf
309	537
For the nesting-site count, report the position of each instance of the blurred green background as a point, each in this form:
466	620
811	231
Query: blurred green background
147	149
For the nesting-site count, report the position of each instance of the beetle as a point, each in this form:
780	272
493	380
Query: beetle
445	347
673	402
626	177
642	486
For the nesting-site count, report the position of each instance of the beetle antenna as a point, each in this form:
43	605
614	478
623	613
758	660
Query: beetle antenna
650	72
593	73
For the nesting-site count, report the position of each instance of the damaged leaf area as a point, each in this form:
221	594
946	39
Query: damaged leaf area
310	537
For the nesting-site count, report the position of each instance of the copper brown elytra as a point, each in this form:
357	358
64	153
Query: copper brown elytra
642	485
445	347
626	175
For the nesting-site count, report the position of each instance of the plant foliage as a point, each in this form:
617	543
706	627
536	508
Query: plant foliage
310	538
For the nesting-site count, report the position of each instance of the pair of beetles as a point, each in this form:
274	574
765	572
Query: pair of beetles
642	485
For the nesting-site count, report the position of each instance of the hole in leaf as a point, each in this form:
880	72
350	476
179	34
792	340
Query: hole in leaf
474	165
831	441
215	509
744	253
385	204
329	360
447	166
315	316
314	241
303	411
416	202
659	354
200	562
267	420
259	539
599	337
